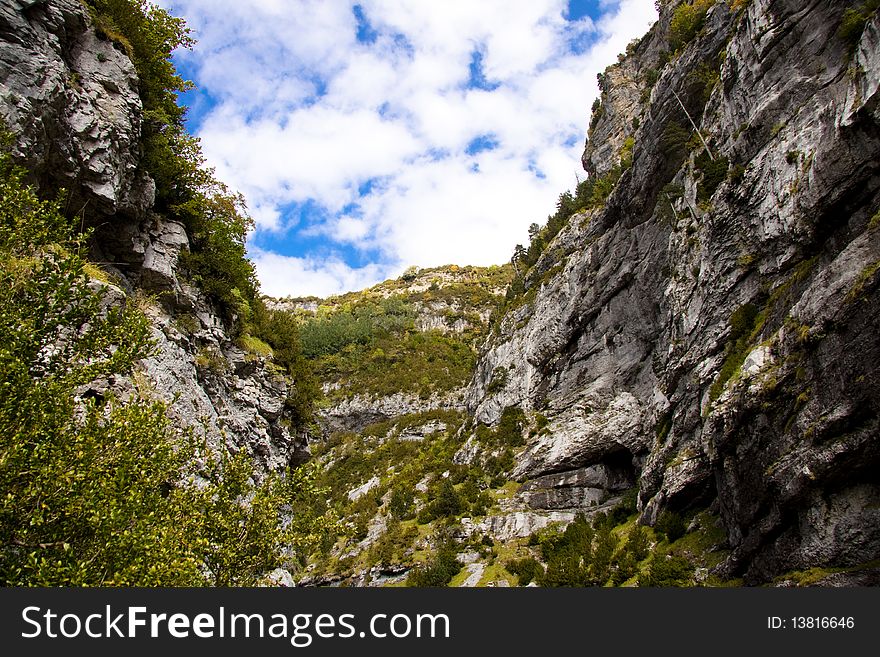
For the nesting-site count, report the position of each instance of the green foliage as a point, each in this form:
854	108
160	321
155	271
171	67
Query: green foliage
243	529
853	22
744	322
372	347
589	194
671	525
149	35
99	491
282	333
712	174
439	571
498	382
673	141
667	570
510	426
215	218
401	502
687	20
425	363
353	459
705	78
329	335
445	502
626	153
218	227
526	569
736	174
596	113
508	432
255	346
391	548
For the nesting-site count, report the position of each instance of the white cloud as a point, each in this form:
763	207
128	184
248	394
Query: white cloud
282	275
305	112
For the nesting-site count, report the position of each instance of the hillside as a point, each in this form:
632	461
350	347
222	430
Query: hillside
692	335
675	383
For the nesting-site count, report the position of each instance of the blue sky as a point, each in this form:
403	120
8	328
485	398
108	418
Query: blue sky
373	135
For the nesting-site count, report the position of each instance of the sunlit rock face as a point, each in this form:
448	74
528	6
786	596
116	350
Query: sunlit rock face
720	334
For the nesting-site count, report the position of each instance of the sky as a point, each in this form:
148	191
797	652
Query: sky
374	135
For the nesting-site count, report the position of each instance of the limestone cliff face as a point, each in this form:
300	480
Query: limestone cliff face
710	334
70	98
713	330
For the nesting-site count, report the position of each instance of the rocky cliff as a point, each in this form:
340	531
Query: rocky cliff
70	97
711	332
689	362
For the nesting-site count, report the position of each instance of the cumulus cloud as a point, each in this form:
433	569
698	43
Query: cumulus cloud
436	137
281	276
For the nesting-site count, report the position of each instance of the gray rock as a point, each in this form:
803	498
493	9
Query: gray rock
363	489
71	98
623	346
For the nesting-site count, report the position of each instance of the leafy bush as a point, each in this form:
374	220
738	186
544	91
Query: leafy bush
445	503
666	570
744	322
439	571
500	376
712	174
281	331
186	190
96	489
687	20
424	362
671	525
673	141
400	504
526	569
853	22
736	174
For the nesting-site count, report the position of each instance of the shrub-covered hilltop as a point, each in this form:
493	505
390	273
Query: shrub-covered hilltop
675	383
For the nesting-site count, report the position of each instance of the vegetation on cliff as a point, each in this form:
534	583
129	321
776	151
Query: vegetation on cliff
100	489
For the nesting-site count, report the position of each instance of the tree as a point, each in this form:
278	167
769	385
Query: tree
97	490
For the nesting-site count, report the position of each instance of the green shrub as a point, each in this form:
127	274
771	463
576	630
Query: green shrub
736	174
712	174
626	153
744	323
673	141
215	219
255	346
671	525
853	22
401	503
687	20
96	489
510	427
526	570
498	382
439	570
445	503
666	571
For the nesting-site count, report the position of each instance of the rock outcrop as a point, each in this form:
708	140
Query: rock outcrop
715	324
708	335
70	97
